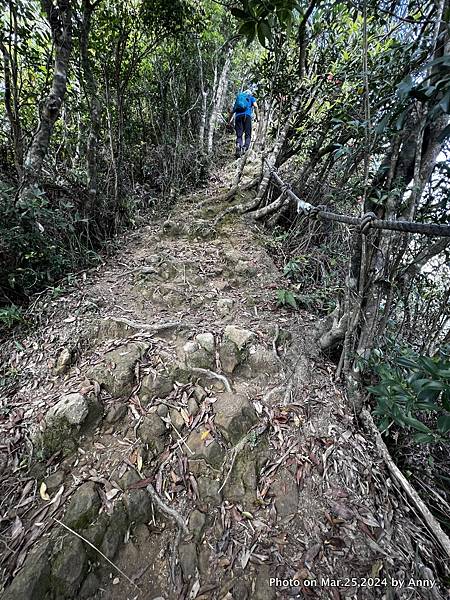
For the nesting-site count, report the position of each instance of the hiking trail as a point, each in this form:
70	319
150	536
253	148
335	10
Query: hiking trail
171	366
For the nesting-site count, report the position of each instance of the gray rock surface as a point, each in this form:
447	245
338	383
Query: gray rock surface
192	406
69	568
177	419
206	341
90	586
115	533
242	482
63	362
203	446
116	412
197	522
261	361
109	329
209	490
156	386
188	560
197	357
116	370
234	416
239	337
54	481
224	306
153	432
73	408
229	356
285	489
83	506
33	580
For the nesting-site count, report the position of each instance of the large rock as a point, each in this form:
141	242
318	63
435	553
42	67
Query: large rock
72	416
156	386
153	432
234	416
188	560
83	506
203	446
206	341
33	580
209	490
69	568
224	306
177	419
137	502
95	534
115	533
63	362
200	353
234	347
116	371
261	361
90	586
240	337
229	355
73	408
242	482
197	522
108	329
262	590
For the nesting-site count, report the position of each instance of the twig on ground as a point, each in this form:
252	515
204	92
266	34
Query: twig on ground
170	512
214	375
99	551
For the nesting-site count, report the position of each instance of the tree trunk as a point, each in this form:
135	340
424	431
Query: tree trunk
204	96
219	98
272	158
95	107
60	19
11	92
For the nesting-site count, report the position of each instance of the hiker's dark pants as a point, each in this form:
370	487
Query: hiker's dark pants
243	124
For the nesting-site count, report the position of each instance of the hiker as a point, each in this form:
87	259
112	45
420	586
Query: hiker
243	112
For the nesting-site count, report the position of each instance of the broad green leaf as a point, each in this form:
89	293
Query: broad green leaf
443	423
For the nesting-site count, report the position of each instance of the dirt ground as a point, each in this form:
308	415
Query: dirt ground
305	509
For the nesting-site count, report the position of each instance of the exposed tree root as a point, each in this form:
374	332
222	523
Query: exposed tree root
335	331
270	208
170	512
429	519
213	375
156	327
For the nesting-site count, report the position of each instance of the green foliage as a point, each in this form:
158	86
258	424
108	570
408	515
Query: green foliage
39	243
287	298
10	316
292	268
412	389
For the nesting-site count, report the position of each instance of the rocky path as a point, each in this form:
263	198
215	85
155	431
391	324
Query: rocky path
186	439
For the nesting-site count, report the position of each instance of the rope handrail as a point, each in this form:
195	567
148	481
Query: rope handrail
365	222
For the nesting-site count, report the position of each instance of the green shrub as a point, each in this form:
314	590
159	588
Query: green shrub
10	316
413	389
287	298
40	241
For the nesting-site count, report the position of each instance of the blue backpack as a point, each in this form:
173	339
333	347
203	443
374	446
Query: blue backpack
241	103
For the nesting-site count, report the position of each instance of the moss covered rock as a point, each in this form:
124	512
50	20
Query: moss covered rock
83	507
